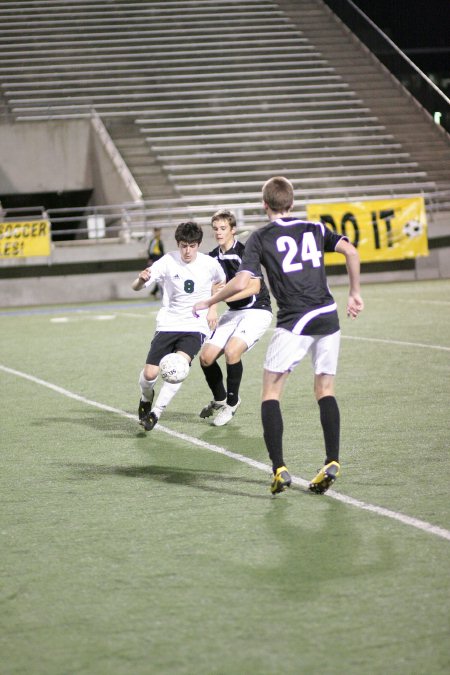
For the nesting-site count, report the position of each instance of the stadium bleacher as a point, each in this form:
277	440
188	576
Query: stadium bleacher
184	88
204	100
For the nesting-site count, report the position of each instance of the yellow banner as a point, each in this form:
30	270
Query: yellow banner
25	239
392	229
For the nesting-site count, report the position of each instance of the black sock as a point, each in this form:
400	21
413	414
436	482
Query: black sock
214	378
330	421
234	377
272	423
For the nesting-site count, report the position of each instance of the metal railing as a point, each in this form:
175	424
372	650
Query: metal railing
126	222
410	76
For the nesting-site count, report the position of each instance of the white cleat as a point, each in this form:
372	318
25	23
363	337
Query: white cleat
225	414
211	408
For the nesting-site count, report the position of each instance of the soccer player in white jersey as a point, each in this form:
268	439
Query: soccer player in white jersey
248	316
292	253
186	275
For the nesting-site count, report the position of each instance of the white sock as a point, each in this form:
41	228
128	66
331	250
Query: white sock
146	387
166	394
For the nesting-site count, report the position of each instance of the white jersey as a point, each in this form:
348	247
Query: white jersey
184	284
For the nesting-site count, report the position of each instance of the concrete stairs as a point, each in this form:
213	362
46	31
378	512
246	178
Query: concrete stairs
206	100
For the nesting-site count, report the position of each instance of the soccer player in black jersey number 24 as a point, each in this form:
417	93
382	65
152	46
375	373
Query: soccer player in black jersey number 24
292	252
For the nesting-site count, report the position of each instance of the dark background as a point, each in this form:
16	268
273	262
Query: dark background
420	28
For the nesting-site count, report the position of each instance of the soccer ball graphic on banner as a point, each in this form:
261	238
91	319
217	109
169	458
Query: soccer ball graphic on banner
413	228
174	368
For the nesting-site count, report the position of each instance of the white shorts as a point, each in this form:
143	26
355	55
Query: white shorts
247	324
286	350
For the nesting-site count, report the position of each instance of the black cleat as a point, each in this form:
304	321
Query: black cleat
143	410
149	422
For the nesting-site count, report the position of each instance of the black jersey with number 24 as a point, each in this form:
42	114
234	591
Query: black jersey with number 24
292	253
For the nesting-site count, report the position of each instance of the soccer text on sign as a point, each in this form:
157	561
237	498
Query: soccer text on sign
25	239
391	229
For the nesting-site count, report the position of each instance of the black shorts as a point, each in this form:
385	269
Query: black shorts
165	342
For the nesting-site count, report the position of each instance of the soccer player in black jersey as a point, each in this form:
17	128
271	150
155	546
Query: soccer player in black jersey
292	253
248	316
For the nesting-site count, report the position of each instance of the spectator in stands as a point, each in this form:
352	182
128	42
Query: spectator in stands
292	252
186	276
155	251
239	328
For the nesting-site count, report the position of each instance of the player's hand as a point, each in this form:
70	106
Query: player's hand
212	318
145	274
140	281
212	324
355	305
202	304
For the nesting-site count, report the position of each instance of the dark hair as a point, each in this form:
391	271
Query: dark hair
278	194
189	232
224	214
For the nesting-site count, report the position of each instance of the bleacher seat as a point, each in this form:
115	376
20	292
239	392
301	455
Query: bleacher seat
205	100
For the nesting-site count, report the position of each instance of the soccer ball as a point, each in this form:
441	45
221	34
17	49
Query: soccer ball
174	368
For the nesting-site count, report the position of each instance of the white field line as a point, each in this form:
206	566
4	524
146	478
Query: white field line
104	317
379	510
396	342
98	317
75	316
65	319
427	302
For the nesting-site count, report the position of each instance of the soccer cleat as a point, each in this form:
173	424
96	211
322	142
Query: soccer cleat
325	478
225	414
281	480
149	421
209	409
144	409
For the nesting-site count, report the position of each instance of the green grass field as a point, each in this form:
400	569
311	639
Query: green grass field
127	553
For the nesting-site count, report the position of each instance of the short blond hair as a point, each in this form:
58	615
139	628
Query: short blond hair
224	214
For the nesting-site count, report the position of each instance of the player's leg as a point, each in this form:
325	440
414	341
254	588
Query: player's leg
329	415
284	353
214	378
166	394
272	423
325	352
146	398
188	345
161	345
250	326
234	349
210	352
147	380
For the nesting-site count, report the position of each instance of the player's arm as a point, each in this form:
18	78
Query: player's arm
217	287
253	288
212	316
355	303
141	280
236	285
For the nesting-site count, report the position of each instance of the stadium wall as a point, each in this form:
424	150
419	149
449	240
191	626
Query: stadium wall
103	273
63	155
76	154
